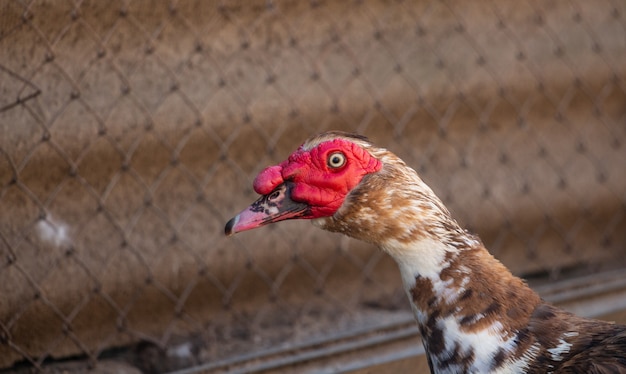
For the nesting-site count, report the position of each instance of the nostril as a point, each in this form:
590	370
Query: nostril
274	195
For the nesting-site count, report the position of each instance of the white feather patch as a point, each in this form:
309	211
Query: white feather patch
563	347
484	344
425	258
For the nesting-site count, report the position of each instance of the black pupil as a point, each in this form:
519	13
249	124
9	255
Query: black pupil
336	160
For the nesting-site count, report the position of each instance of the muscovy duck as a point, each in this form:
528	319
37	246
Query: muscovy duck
473	314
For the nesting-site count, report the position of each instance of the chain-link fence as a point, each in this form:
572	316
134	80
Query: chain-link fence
130	132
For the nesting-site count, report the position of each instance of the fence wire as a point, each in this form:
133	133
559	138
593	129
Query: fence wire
130	132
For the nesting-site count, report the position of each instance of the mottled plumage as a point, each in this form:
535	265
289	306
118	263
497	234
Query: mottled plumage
474	315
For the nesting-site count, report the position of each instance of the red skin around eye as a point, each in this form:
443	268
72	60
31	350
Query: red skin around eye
323	188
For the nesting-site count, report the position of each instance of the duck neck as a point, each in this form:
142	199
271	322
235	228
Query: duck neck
472	312
469	307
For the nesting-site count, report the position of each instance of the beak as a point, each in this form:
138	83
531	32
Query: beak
273	207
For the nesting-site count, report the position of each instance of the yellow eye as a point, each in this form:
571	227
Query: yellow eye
336	160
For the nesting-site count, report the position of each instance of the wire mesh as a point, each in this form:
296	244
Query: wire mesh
130	132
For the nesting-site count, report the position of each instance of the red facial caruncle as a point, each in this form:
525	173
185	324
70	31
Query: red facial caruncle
311	183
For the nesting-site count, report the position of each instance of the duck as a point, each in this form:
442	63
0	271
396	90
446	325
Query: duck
474	315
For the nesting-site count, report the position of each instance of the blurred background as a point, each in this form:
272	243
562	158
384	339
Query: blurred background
130	132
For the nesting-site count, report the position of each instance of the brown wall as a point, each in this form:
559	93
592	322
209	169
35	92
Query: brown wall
129	134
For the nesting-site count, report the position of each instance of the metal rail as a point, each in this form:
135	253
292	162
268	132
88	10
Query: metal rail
590	296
